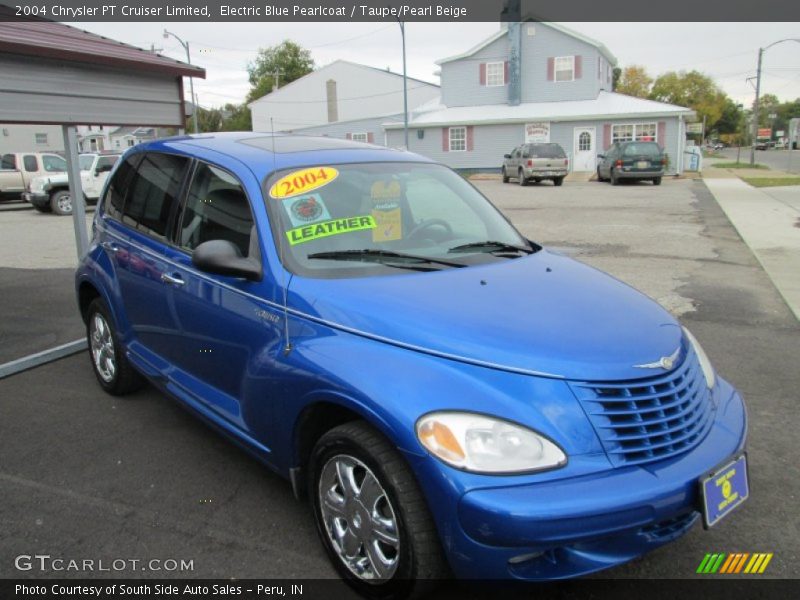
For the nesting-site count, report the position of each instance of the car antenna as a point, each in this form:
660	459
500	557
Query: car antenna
288	347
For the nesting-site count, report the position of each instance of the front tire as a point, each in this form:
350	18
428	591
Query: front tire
61	203
614	178
110	365
600	177
371	515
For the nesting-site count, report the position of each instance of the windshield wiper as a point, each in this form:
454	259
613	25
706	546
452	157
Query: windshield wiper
490	246
380	256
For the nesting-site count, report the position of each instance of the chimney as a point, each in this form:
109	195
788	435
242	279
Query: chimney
333	103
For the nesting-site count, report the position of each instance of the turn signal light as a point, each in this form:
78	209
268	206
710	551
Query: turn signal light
618	163
530	163
438	438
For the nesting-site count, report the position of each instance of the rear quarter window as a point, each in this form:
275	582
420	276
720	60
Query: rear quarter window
545	151
642	148
114	201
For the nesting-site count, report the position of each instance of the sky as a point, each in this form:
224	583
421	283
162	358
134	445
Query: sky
728	52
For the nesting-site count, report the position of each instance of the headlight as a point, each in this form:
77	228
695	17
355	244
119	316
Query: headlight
484	444
702	357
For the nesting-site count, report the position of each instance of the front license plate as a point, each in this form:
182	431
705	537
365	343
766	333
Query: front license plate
642	164
724	490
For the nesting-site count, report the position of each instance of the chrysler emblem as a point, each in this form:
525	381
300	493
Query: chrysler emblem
665	362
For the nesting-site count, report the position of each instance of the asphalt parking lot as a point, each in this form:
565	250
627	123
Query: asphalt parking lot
86	475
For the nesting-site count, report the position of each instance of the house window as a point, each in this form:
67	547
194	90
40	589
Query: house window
639	132
458	139
130	142
565	68
495	74
360	137
41	139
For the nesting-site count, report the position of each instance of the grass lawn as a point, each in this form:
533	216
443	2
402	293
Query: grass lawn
738	165
771	181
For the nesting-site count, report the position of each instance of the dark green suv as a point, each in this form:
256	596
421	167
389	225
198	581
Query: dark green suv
632	160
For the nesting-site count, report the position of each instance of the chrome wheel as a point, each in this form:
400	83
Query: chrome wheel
64	203
102	344
359	518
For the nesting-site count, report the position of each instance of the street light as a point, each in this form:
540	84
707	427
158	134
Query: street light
758	92
405	82
191	80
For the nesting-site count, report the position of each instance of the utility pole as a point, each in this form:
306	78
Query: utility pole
758	92
405	83
276	79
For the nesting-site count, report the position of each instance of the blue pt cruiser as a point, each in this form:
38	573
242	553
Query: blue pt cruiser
451	397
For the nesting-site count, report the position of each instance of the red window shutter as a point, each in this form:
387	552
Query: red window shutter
505	72
662	133
578	67
445	139
470	138
551	69
349	136
371	137
606	136
483	73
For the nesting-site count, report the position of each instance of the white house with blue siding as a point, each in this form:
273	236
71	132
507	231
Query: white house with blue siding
532	82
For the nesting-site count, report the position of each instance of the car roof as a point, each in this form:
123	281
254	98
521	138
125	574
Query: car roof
265	152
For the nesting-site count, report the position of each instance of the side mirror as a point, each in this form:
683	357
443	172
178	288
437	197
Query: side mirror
601	156
506	156
223	258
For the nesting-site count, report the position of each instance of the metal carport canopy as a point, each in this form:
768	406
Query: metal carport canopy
53	73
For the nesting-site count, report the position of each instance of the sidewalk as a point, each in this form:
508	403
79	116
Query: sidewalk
769	226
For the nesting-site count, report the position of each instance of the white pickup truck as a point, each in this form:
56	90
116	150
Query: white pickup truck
17	169
51	193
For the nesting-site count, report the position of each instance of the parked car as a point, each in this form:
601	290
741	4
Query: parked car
452	397
632	160
536	162
51	193
17	169
763	144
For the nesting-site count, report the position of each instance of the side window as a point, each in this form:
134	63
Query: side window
115	193
217	209
526	152
30	163
105	163
54	164
515	154
153	192
9	162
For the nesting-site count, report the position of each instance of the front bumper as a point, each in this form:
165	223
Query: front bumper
569	527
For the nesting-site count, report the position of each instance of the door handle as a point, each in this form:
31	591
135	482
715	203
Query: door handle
172	279
110	246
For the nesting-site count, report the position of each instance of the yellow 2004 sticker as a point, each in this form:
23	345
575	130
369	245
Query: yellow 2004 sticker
307	233
302	181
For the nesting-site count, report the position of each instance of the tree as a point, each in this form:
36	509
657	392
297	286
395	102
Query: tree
236	117
616	73
693	90
634	81
731	120
279	64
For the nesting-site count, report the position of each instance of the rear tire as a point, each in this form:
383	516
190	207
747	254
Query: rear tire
114	372
657	181
61	202
505	176
558	181
521	176
600	177
537	180
368	508
614	179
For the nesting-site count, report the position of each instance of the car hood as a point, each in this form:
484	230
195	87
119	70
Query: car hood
542	314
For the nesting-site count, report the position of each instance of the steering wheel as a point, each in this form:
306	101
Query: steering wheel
427	224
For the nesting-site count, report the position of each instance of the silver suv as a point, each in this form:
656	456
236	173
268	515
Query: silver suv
536	162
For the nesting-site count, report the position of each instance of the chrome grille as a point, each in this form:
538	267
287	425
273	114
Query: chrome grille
649	419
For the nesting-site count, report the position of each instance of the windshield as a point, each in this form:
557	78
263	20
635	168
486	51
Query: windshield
384	218
642	149
86	161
